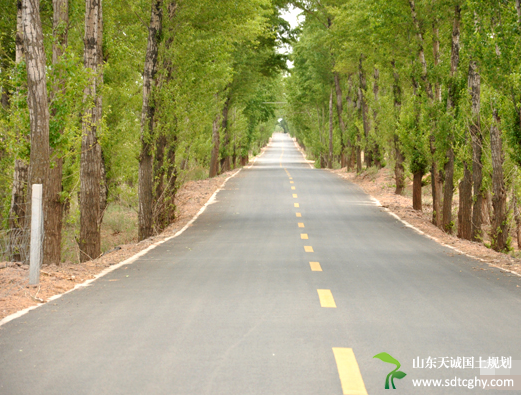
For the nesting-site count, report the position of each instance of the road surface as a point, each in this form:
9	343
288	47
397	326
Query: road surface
289	284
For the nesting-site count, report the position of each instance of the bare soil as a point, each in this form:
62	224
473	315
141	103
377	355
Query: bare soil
381	185
16	294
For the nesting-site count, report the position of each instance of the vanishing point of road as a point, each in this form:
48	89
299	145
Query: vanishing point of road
289	283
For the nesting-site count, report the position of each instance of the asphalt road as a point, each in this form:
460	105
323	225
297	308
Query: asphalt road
232	306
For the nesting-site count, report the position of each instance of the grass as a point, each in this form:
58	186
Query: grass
119	227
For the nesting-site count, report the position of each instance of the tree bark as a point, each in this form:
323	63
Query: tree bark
465	205
474	83
436	56
499	232
330	159
52	249
399	170
214	159
436	181
421	53
368	157
37	100
376	149
225	160
517	217
17	212
358	134
339	110
448	192
436	186
417	190
449	165
90	161
146	182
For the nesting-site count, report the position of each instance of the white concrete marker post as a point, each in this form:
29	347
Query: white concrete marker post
35	253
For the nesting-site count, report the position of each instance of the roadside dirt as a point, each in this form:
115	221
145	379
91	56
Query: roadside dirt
16	294
380	185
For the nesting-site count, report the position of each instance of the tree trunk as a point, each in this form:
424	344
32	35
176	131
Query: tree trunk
421	53
37	101
436	55
339	110
465	205
18	214
90	161
146	182
18	209
225	159
436	186
474	83
448	192
449	166
104	189
376	149
330	159
499	232
417	190
214	159
517	217
358	134
399	171
486	208
368	157
52	249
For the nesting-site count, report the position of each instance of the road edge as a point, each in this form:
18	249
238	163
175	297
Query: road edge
128	261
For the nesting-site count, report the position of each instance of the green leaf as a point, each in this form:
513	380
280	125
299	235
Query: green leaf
383	356
399	375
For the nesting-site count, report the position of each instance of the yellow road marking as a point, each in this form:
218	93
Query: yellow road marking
280	159
300	224
349	372
299	215
292	182
315	266
326	298
308	248
291	178
296	205
292	187
295	195
304	236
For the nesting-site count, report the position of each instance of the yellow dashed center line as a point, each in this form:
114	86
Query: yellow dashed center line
292	182
349	372
298	214
280	159
326	298
292	187
295	195
308	249
300	224
315	266
291	178
296	205
304	236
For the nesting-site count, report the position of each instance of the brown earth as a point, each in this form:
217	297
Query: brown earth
380	185
16	294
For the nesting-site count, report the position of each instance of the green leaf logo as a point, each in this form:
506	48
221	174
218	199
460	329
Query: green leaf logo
395	374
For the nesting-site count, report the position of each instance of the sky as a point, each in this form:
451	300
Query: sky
292	17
